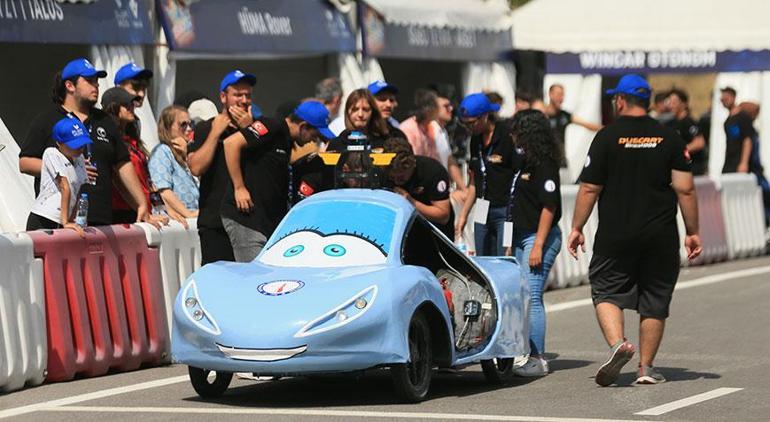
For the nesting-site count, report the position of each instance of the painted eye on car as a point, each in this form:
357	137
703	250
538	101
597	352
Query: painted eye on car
335	250
293	251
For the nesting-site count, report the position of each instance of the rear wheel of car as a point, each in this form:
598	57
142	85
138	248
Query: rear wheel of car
412	379
209	384
498	371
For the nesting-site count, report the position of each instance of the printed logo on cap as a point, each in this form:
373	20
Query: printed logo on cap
88	64
77	130
238	74
135	68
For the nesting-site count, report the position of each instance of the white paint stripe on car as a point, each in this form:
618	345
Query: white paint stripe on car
688	401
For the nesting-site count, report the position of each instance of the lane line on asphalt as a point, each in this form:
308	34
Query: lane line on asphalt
696	282
689	401
16	411
327	413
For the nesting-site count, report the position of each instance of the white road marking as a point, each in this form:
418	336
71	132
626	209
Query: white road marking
329	413
16	411
674	405
696	282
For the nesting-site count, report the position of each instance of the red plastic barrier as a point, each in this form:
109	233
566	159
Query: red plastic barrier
104	301
712	222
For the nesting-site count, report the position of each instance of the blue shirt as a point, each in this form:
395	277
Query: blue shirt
167	173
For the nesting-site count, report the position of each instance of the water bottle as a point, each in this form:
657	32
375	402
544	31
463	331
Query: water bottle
81	215
88	155
461	246
158	206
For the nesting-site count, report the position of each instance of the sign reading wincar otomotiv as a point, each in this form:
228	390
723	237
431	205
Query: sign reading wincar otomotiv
611	62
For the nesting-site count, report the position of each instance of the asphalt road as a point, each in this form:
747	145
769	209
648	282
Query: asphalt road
714	355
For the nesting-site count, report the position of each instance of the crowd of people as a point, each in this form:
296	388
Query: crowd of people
239	172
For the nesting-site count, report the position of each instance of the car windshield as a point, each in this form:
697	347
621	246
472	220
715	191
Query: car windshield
332	234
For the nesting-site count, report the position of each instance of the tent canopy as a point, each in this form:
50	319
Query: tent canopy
560	26
484	15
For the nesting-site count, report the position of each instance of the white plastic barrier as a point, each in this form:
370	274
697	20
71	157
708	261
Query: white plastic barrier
180	256
23	341
743	215
567	270
712	223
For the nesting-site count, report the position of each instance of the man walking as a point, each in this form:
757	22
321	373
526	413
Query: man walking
638	170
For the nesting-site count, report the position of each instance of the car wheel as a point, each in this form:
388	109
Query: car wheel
498	371
412	379
209	384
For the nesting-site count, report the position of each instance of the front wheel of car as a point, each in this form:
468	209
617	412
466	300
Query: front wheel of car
498	371
209	384
412	379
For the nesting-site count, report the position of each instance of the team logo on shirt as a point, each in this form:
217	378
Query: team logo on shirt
101	134
525	176
305	189
550	186
441	186
259	128
588	161
378	150
640	141
495	158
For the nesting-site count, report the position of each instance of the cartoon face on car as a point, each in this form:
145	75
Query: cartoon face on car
312	248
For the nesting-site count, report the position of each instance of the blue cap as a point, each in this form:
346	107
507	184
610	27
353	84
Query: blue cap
316	115
236	76
474	105
81	67
379	86
131	71
71	132
632	84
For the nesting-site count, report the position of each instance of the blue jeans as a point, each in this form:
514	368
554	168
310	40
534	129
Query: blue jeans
489	237
522	243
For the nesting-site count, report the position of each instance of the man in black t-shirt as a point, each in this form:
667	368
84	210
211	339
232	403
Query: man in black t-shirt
423	181
739	132
638	170
207	160
689	130
76	89
258	165
492	166
560	119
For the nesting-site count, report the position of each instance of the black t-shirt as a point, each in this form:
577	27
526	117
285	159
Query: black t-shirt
496	163
559	123
394	132
536	187
215	181
688	129
429	183
340	143
633	158
108	152
265	167
309	177
737	128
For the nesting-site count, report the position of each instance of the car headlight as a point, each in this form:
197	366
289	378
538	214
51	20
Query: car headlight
343	314
195	312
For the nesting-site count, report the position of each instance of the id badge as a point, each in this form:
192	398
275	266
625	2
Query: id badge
481	211
507	234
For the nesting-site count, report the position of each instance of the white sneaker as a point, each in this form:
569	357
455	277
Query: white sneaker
535	367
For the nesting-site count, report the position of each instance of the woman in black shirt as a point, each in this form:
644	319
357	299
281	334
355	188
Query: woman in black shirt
535	210
361	115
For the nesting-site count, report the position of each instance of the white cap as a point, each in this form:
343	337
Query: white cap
201	110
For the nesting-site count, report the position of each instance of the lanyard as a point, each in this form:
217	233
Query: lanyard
509	208
483	163
290	201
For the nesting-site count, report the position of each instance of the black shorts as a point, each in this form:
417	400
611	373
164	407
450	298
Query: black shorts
643	281
36	222
215	246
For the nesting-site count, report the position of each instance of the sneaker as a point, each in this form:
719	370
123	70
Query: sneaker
620	354
649	375
535	367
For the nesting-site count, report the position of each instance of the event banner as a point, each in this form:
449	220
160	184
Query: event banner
265	26
97	22
382	39
674	61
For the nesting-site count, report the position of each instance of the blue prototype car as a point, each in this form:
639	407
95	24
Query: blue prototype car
351	280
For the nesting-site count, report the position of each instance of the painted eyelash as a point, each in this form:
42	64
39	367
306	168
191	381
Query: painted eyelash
373	241
314	229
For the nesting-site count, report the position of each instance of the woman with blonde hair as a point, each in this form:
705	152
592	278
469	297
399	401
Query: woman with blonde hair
168	163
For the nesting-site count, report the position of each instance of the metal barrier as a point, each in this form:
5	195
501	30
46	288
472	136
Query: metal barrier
712	223
743	213
104	303
23	351
180	256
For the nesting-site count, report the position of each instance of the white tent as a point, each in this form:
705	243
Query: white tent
563	26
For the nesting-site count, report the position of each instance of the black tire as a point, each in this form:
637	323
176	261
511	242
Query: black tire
412	380
498	371
199	378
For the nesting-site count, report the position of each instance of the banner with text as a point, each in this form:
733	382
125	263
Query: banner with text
51	21
675	61
383	39
266	26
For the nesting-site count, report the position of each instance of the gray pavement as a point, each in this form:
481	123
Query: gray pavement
717	338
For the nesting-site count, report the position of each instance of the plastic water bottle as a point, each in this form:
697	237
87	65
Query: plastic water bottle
88	155
461	246
158	206
81	216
